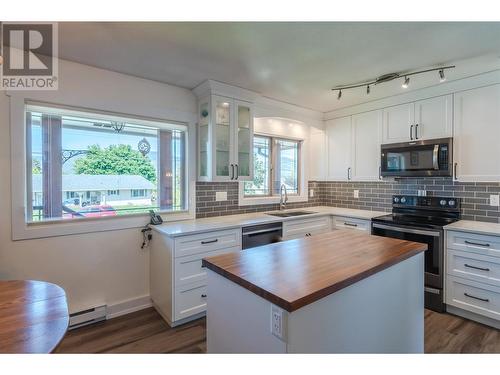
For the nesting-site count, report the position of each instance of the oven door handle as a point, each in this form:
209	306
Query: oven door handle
435	163
407	230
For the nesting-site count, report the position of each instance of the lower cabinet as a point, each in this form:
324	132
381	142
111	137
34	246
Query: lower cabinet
472	284
306	227
342	222
177	279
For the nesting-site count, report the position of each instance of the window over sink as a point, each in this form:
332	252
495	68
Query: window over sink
276	163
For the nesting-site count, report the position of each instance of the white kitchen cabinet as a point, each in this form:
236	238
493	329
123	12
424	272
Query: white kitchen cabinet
398	121
342	222
365	148
306	227
339	149
477	134
424	119
225	139
472	283
434	118
177	278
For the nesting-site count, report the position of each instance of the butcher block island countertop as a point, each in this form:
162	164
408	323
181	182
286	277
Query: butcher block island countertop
293	274
338	292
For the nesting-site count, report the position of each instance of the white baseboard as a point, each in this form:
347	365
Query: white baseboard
128	306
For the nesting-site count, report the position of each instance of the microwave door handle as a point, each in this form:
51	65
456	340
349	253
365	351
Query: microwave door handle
435	153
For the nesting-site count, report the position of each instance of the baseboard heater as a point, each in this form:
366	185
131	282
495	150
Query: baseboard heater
86	317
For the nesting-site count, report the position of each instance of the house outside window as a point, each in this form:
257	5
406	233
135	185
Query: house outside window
276	163
84	164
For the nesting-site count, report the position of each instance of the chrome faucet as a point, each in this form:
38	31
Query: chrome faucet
283	199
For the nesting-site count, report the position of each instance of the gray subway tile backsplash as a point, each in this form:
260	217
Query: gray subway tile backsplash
375	196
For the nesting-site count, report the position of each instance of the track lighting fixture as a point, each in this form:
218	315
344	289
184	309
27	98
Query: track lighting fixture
392	76
442	78
406	83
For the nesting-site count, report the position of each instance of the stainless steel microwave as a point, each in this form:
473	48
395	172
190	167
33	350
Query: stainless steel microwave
433	157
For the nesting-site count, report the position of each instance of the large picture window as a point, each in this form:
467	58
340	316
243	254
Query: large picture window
83	164
276	163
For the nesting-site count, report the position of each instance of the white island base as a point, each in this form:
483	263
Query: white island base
383	313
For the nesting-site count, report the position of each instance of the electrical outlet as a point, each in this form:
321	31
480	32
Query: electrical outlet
494	200
311	193
278	322
220	196
356	193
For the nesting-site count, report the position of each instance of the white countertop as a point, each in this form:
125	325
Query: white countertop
180	228
475	227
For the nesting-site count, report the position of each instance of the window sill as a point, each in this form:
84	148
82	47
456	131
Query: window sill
88	225
251	201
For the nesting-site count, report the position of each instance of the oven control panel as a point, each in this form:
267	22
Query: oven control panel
425	202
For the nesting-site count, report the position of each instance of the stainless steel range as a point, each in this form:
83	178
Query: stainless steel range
421	219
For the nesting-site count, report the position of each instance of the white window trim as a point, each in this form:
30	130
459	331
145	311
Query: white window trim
22	230
303	197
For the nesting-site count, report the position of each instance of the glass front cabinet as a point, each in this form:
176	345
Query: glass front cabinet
225	137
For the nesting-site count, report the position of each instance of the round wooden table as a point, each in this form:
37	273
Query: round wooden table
33	316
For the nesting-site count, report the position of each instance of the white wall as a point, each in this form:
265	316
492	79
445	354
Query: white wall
95	268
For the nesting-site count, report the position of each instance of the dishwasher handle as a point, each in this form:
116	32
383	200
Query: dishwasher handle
261	231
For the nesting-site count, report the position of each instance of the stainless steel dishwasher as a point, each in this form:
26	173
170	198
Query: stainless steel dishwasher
263	234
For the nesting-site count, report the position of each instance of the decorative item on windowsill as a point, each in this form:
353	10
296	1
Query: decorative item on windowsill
144	147
117	126
390	77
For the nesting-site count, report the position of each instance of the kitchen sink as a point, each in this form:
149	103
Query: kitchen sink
290	214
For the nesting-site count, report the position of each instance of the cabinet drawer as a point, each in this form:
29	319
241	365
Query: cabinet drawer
188	269
477	297
190	301
201	243
474	243
341	222
473	267
299	228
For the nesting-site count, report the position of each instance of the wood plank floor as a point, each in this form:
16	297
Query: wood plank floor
146	332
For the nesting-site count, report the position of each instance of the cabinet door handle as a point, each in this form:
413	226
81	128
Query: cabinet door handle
477	243
379	173
211	241
476	268
231	175
478	298
350	224
455	171
349	173
416	131
237	172
411	132
203	296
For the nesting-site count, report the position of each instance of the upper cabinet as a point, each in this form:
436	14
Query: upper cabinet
338	132
420	120
477	134
398	123
354	147
365	151
225	138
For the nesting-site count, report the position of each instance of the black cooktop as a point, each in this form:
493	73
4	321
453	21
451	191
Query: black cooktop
415	220
426	212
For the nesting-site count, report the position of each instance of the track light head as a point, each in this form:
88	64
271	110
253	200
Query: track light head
442	78
367	89
339	95
406	83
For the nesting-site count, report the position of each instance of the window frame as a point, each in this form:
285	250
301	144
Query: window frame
301	196
21	229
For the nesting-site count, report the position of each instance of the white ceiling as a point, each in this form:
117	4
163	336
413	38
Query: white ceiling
297	63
